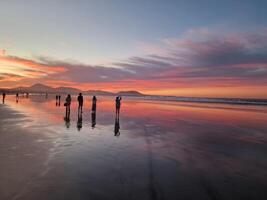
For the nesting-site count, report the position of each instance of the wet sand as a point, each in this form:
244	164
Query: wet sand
165	150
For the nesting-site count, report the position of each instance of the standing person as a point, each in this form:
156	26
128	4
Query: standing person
17	97
4	96
56	99
67	104
80	101
118	104
59	97
94	104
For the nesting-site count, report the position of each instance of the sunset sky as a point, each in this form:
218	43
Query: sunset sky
184	48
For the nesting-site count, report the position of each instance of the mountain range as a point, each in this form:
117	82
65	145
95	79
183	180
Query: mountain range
40	88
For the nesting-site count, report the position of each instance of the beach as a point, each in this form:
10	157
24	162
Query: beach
157	150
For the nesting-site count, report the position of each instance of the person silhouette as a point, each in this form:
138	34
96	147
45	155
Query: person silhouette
117	126
93	115
59	99
80	101
17	97
94	104
118	105
4	96
56	99
67	104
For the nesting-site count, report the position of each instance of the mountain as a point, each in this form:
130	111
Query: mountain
34	89
67	90
130	93
98	92
40	88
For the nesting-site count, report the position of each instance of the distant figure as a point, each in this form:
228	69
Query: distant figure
59	98
4	96
117	126
80	121
46	95
80	101
67	104
93	119
17	97
56	100
27	95
94	104
118	105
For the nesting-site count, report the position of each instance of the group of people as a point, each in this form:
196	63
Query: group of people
94	100
80	100
93	113
17	97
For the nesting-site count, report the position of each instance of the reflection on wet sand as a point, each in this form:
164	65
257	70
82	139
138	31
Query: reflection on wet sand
93	116
117	125
167	150
80	120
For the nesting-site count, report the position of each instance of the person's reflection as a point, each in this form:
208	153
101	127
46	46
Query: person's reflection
67	118
93	119
94	111
117	126
67	121
80	120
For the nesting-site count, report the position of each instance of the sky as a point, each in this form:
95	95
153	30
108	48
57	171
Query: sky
185	48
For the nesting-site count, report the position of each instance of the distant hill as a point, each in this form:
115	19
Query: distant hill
66	90
37	88
98	92
130	93
41	88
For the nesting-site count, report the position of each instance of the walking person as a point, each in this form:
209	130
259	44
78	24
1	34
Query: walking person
80	101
